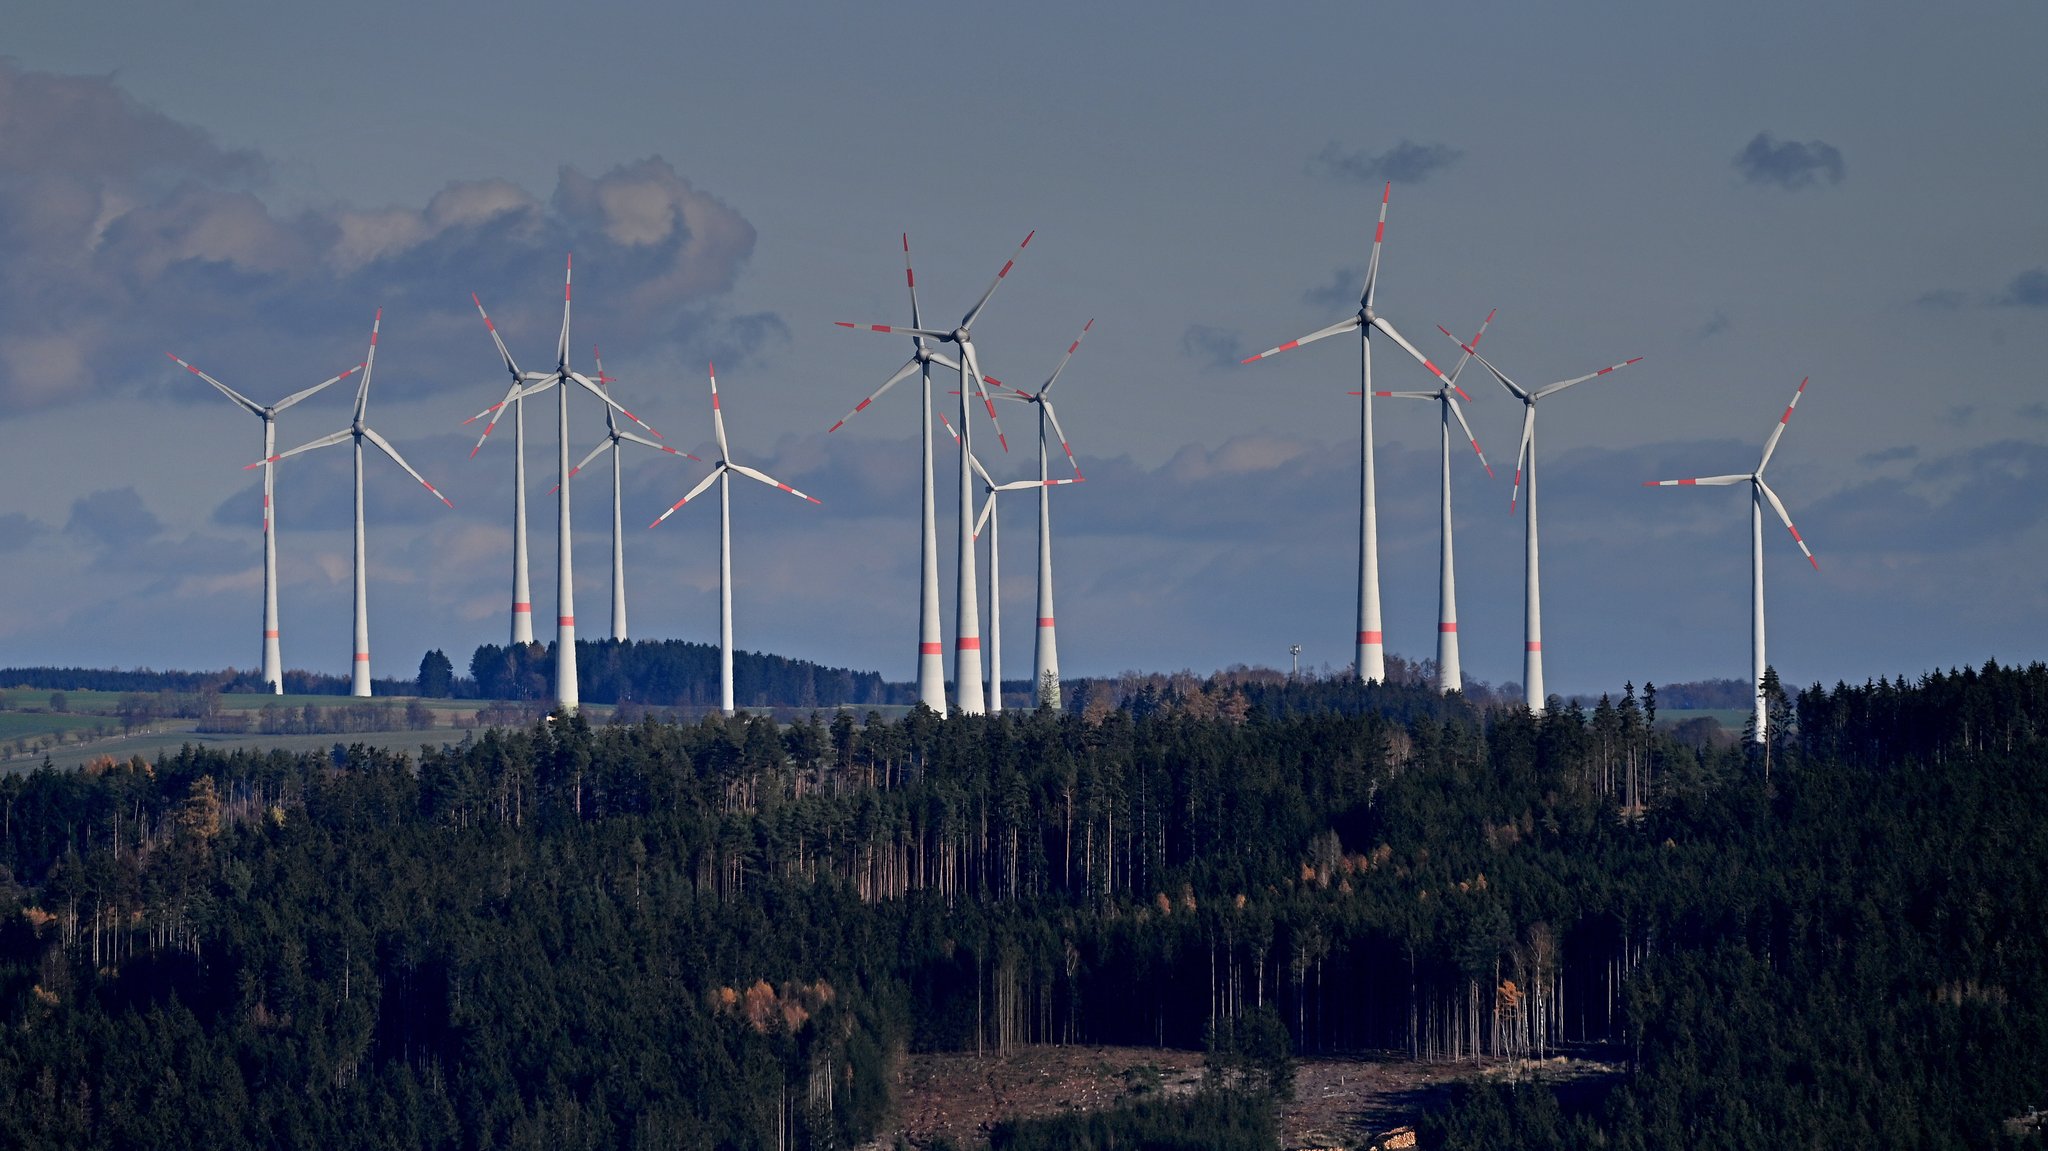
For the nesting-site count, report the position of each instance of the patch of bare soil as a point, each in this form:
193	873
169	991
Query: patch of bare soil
1338	1101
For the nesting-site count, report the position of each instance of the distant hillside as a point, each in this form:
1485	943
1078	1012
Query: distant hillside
674	673
657	673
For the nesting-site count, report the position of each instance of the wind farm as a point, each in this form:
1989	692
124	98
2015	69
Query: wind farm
1316	815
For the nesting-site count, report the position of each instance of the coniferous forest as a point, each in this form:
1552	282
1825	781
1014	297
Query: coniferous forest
728	933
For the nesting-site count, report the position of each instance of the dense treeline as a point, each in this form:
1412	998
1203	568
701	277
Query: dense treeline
672	673
722	933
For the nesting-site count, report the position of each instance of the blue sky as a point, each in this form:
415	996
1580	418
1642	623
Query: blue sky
1742	195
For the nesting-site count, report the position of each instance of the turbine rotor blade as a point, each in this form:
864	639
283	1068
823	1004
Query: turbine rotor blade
627	434
1054	418
1054	378
1372	269
604	445
1452	403
494	411
893	329
988	508
975	311
910	281
1470	350
1425	361
717	470
295	397
1778	506
1702	481
717	415
1312	337
229	392
1771	445
1519	392
369	364
1561	385
771	481
981	389
591	386
381	442
510	365
1522	452
562	345
324	441
902	373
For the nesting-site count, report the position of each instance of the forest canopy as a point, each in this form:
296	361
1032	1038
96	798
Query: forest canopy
725	933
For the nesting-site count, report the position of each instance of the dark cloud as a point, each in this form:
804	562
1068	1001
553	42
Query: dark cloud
1790	164
17	531
123	233
1218	347
1959	415
1340	294
2029	289
1717	324
2035	411
114	517
1405	163
1956	502
1941	299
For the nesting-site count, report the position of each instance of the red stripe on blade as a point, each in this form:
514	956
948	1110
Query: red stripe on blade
1447	627
968	643
1371	637
931	649
1045	621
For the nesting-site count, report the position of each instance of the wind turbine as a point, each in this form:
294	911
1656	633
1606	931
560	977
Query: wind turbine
1759	491
966	606
1532	601
993	522
357	432
721	473
273	662
1371	651
528	384
931	648
1045	691
614	435
1449	674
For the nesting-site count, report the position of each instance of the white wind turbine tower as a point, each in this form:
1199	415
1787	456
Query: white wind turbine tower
614	435
1371	650
1532	601
966	605
273	662
1759	491
721	473
528	384
931	648
1045	680
992	521
1449	673
522	594
357	432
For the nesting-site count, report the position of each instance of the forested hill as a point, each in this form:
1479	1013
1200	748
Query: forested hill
654	673
720	934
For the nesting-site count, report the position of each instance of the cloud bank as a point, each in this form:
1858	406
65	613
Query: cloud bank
1405	163
126	232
